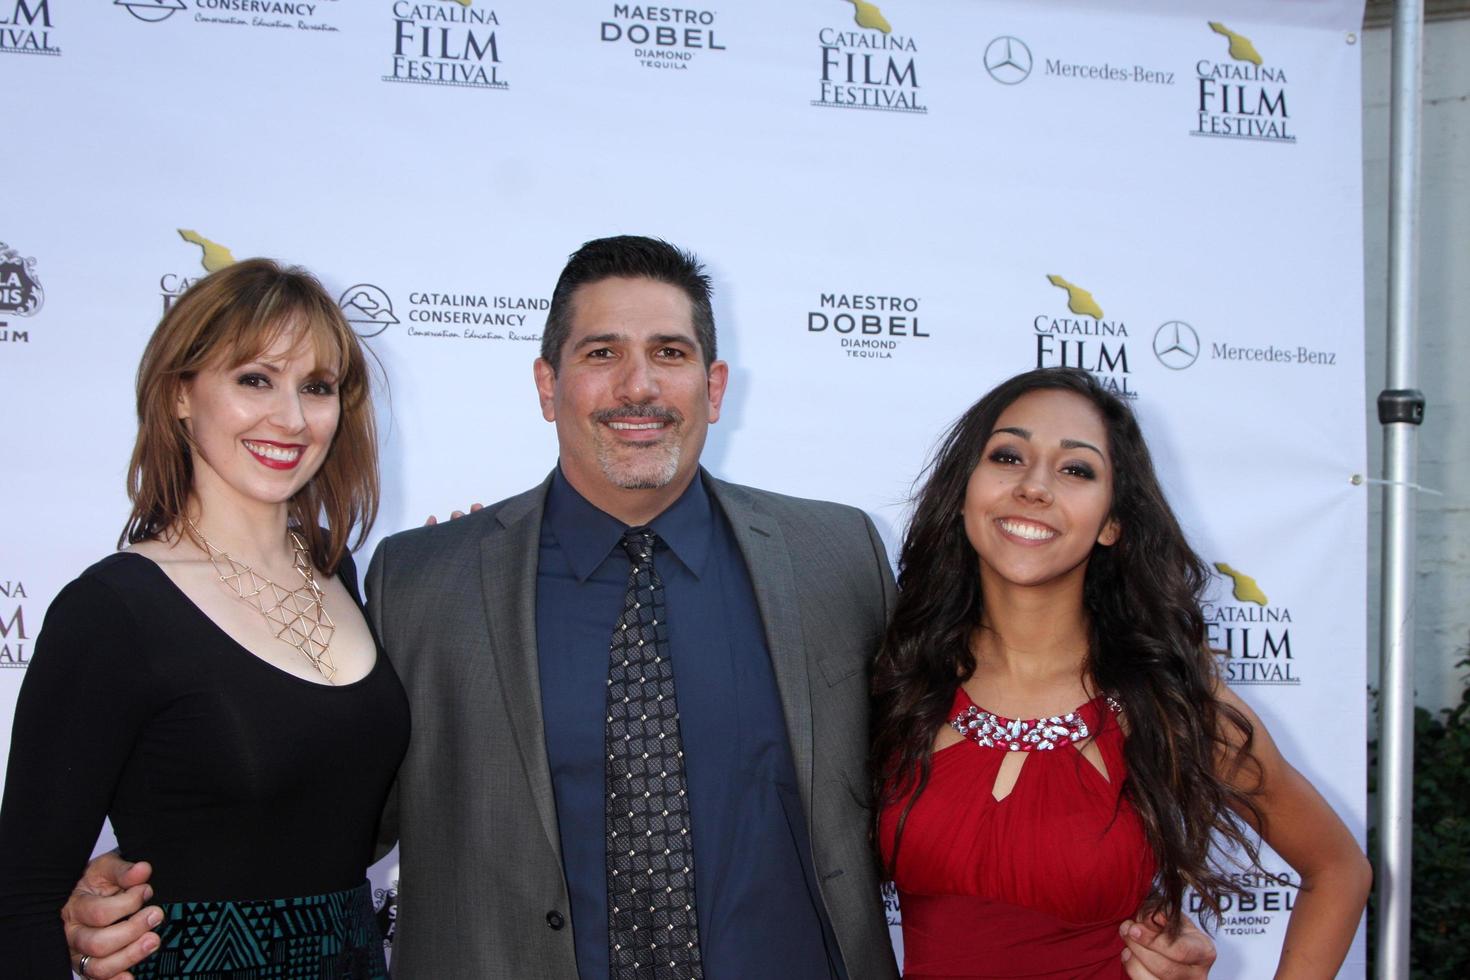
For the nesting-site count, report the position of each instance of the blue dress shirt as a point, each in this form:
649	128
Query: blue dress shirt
760	913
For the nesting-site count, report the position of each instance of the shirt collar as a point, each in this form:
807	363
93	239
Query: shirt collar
588	535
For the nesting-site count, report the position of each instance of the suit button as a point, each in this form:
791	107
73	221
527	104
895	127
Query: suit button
555	919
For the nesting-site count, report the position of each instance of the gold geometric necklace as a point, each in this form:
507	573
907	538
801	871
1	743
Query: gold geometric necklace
296	616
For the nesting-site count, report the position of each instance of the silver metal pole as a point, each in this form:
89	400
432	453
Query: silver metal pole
1400	410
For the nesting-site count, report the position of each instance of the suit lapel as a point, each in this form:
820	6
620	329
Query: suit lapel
508	560
767	558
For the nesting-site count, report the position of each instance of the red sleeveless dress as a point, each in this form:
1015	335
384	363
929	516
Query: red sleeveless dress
1033	885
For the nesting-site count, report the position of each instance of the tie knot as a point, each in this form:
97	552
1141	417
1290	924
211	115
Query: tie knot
639	543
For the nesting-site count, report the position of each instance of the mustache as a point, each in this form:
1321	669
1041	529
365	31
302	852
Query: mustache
638	413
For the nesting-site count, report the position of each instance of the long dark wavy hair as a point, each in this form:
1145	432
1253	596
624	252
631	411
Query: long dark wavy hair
1148	650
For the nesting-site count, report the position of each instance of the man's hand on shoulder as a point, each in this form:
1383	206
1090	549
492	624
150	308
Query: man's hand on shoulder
105	919
454	515
1151	955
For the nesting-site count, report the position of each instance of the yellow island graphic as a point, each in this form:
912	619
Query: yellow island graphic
1246	589
462	3
1241	48
868	15
1079	300
216	256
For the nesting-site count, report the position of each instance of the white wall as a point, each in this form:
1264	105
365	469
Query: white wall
1442	631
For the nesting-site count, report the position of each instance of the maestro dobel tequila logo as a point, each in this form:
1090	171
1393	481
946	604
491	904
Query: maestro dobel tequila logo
867	326
662	37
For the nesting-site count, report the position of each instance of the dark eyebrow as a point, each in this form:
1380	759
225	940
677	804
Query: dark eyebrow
657	339
599	338
1066	443
1079	444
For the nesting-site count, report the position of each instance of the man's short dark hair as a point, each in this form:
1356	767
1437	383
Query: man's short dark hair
629	257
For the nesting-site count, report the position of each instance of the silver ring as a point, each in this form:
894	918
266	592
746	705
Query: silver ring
82	965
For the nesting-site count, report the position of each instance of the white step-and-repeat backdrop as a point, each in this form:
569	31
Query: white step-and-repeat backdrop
894	200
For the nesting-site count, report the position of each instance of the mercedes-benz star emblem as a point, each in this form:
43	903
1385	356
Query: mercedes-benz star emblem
1008	60
1176	345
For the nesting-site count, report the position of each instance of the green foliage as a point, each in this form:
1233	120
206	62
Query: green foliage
1440	916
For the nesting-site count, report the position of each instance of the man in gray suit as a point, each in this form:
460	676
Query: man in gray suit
499	627
499	806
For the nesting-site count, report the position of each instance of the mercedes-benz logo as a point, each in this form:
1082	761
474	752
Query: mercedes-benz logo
1008	60
1176	345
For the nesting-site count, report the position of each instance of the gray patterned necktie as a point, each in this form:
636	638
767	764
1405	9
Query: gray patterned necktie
653	928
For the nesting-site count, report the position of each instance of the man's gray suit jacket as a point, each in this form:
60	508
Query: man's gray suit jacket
481	892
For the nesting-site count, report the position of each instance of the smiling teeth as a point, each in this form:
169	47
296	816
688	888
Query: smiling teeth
636	425
1030	532
278	453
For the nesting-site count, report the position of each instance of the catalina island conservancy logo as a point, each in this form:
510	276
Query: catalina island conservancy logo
291	15
1252	633
446	42
1242	97
367	308
872	68
1087	340
20	293
662	37
446	316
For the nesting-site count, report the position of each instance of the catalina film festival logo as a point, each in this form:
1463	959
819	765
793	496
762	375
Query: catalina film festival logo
446	42
1241	95
21	294
1085	339
26	27
212	257
1252	632
15	642
865	326
872	67
662	38
284	15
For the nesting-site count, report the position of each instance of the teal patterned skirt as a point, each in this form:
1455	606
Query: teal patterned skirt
310	937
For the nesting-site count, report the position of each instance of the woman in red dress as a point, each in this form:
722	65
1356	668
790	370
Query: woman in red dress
1053	744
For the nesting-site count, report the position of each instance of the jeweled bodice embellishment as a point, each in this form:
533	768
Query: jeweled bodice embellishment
1017	735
